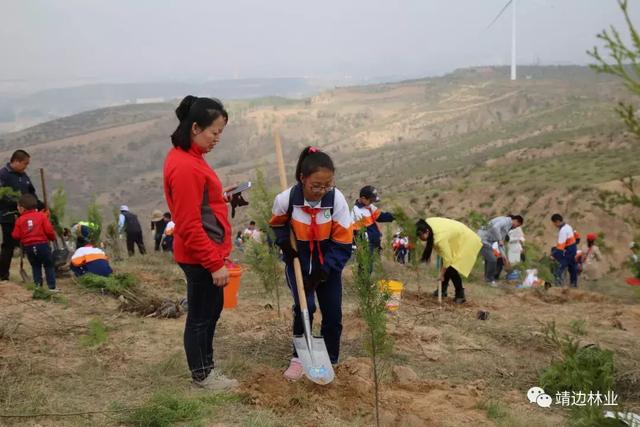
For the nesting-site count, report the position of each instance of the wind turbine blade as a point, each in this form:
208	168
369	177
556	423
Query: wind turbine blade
499	14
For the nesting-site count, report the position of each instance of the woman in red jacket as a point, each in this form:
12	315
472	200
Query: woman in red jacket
202	234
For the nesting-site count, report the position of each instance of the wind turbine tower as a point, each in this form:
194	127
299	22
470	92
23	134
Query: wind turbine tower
511	3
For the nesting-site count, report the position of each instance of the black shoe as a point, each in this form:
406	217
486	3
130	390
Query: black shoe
459	300
435	294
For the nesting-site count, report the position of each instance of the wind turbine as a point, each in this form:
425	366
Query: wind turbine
511	3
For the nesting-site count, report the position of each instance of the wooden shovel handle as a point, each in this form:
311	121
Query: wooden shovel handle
44	189
297	269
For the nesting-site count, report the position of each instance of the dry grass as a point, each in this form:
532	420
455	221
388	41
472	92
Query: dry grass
44	368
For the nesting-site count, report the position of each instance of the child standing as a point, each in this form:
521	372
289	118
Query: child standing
167	237
34	231
318	214
366	216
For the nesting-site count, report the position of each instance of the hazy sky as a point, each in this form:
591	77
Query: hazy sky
151	40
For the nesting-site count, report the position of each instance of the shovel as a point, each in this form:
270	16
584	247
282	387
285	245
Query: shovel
311	350
61	257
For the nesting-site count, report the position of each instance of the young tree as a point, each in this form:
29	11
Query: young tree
58	208
113	237
372	301
263	256
623	62
94	216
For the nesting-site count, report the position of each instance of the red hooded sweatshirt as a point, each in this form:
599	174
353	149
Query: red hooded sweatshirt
193	191
33	228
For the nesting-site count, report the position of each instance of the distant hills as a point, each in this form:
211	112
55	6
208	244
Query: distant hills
54	103
468	145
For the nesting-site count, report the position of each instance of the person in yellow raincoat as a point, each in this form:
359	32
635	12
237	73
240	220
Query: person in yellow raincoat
457	245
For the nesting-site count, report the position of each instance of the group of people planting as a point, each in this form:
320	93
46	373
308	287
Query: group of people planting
27	223
318	216
198	231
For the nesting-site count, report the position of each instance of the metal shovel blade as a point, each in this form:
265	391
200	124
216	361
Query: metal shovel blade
315	360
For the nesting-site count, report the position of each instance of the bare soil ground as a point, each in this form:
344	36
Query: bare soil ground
447	366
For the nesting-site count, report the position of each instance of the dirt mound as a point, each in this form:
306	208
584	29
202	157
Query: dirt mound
566	295
406	401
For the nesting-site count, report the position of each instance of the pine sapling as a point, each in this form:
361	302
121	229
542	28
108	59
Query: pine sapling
94	216
372	301
263	256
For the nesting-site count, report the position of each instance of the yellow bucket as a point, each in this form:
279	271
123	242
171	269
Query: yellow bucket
395	289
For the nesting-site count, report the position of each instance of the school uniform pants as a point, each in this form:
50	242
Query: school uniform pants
330	301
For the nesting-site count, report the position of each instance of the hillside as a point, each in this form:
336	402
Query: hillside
468	143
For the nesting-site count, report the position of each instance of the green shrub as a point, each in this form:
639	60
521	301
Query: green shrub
578	327
585	369
166	409
114	284
96	336
46	295
580	369
496	411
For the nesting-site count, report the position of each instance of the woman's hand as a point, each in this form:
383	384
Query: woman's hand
225	192
221	277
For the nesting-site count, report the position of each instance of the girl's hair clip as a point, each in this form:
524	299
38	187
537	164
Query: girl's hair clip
314	150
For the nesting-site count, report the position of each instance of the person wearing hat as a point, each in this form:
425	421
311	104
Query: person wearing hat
366	216
129	224
457	245
158	225
591	259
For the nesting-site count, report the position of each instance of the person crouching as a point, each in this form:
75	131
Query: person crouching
87	259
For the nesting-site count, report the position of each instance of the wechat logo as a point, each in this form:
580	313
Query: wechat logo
537	395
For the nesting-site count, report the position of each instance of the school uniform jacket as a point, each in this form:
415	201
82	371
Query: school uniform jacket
324	234
367	218
88	259
566	237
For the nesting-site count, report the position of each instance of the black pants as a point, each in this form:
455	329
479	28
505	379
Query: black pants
137	239
205	301
157	238
6	250
40	258
499	267
330	302
452	274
